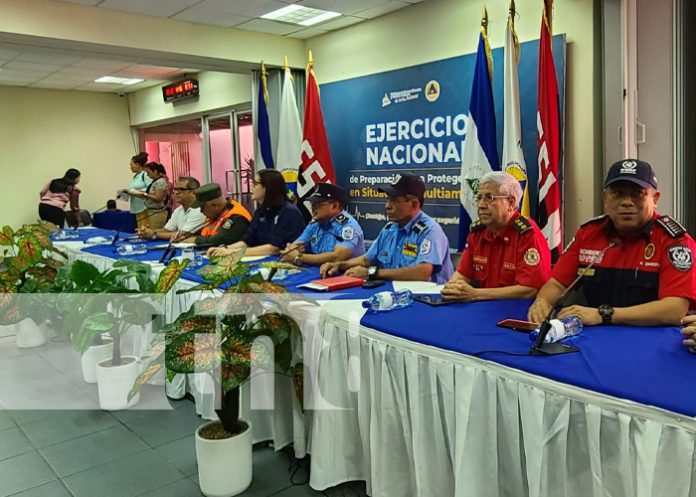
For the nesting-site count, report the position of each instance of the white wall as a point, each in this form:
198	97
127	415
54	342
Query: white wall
217	91
439	29
44	132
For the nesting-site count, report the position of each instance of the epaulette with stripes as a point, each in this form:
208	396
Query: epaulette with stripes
671	226
477	226
595	220
522	224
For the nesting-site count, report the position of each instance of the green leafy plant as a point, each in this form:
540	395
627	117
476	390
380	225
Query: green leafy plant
29	264
220	335
114	300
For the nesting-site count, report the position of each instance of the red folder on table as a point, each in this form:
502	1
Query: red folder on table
332	284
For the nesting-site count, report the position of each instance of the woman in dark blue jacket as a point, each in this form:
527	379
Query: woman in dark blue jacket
276	221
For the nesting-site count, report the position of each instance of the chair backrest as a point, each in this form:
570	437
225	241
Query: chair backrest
75	219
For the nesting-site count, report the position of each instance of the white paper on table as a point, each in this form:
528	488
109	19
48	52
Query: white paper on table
418	286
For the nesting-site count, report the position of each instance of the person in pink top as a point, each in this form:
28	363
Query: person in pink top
57	194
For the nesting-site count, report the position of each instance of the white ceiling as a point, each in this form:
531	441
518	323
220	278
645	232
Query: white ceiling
63	70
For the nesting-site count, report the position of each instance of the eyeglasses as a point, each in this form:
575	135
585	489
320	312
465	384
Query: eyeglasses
488	198
636	194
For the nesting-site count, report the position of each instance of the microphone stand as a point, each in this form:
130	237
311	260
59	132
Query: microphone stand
556	348
178	236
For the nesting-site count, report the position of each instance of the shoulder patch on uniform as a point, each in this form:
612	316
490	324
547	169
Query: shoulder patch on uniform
420	227
347	233
477	226
671	226
680	257
425	247
522	224
341	218
594	220
227	224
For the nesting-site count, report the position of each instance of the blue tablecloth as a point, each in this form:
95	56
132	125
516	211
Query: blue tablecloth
308	274
153	254
118	220
85	233
648	365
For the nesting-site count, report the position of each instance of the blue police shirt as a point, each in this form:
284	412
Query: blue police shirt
278	226
420	240
342	229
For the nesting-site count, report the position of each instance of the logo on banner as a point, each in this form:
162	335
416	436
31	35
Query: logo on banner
401	96
432	90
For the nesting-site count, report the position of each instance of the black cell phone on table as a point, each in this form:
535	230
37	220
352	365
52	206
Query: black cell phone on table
433	299
372	283
518	325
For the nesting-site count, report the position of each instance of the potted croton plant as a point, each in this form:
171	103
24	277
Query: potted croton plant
115	300
228	336
28	265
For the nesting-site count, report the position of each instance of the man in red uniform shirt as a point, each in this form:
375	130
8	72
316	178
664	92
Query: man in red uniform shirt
506	255
643	261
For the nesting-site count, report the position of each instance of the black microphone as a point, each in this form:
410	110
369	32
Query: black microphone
541	348
116	237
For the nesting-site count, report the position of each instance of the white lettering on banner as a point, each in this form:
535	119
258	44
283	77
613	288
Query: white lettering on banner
543	163
417	129
308	174
420	153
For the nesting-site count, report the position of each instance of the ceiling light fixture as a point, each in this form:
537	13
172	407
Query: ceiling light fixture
297	14
118	81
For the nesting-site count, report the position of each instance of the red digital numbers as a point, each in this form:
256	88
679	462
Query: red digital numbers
181	89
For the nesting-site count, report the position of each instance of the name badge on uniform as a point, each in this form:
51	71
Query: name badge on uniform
410	249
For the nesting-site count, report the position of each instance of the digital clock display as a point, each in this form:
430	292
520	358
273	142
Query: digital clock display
181	89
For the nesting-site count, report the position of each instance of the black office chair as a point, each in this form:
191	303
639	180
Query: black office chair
75	219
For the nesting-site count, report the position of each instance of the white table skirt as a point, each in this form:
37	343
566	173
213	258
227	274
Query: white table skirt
420	421
413	420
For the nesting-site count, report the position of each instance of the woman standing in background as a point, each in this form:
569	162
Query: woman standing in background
154	196
140	183
56	195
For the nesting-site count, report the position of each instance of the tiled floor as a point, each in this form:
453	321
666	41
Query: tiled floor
55	442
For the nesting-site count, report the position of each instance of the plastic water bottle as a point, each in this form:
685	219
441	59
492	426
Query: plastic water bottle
188	253
132	249
386	301
560	328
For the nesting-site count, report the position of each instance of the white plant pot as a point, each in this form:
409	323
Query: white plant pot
94	355
29	334
224	466
114	383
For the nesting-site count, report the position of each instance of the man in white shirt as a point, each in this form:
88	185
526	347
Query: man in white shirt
185	220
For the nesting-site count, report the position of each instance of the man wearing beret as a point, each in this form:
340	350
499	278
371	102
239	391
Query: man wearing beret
333	235
227	220
411	247
643	271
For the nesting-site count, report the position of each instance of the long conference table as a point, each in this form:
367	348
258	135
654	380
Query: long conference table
428	401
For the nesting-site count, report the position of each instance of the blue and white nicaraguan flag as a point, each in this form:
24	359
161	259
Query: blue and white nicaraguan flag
480	150
289	152
513	158
263	128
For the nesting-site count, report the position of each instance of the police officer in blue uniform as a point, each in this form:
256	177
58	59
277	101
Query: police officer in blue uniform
411	247
333	235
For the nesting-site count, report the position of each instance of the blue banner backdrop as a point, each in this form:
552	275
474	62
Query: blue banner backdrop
413	120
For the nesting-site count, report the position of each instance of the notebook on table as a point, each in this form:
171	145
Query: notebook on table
332	284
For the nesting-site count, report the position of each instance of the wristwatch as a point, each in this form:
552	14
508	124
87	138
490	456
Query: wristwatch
298	260
372	273
154	236
607	313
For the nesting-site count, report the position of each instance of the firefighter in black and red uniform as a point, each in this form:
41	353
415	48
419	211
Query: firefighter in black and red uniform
645	277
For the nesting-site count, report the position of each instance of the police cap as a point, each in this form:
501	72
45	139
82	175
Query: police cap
327	191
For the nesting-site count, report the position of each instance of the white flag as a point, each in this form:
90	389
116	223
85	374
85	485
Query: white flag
289	152
513	158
